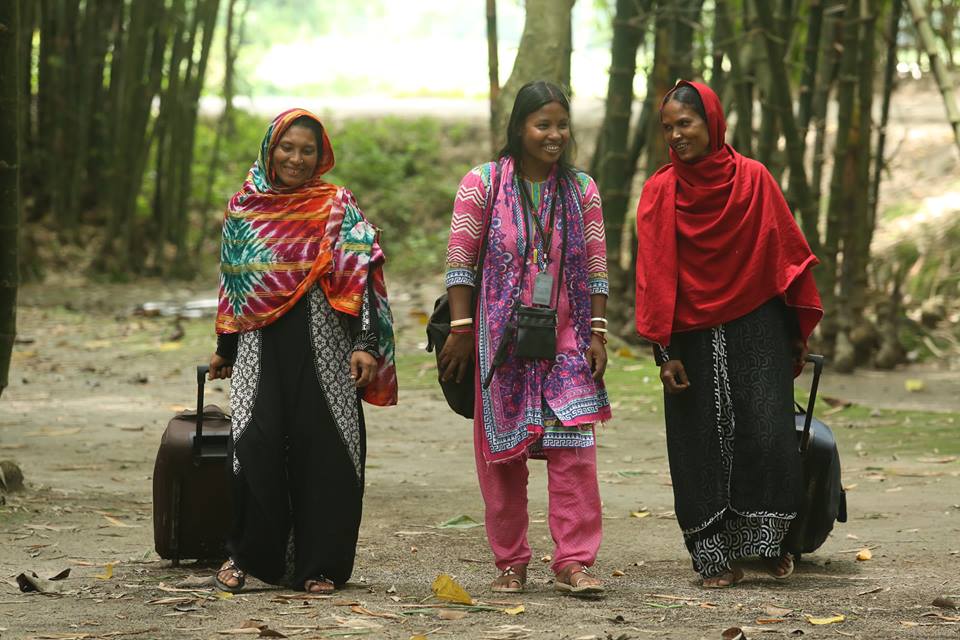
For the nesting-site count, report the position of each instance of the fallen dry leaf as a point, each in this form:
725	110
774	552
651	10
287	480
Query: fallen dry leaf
617	573
776	612
770	620
834	619
864	555
107	572
451	614
446	588
367	612
639	514
114	522
940	601
514	610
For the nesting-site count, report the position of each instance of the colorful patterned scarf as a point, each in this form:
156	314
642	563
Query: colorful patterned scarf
278	242
512	411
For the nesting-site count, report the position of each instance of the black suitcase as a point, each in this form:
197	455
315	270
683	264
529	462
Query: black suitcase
192	506
824	500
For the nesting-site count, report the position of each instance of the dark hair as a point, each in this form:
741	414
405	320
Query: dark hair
532	97
309	123
685	94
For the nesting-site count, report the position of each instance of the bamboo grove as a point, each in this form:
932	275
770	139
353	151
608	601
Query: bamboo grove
798	82
109	93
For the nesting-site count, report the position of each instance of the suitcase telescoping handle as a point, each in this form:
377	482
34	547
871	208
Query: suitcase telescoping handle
201	379
817	361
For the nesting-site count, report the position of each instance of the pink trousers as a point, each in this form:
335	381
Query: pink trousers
574	507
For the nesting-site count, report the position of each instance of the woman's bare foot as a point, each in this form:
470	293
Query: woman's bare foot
319	585
781	567
511	580
725	579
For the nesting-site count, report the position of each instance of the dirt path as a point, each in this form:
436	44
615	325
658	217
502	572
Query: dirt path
94	389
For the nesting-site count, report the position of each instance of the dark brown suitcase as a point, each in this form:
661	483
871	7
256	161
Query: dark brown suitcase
192	506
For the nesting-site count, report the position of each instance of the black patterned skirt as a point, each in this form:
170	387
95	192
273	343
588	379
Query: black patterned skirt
734	462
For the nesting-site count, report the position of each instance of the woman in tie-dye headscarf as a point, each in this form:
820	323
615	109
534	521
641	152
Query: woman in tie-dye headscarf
305	332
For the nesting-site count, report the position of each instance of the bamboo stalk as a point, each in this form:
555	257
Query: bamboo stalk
889	75
493	69
799	190
940	73
9	181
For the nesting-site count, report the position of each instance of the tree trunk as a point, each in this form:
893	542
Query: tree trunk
829	69
799	189
615	172
889	78
842	175
231	41
10	127
810	59
743	97
544	54
615	175
856	250
493	69
944	82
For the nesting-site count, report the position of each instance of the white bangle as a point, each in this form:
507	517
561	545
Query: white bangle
603	320
463	322
598	330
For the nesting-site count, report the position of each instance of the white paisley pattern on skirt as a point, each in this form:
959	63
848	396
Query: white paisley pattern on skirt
243	386
332	347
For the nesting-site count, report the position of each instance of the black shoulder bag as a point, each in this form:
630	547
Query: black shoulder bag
460	395
533	332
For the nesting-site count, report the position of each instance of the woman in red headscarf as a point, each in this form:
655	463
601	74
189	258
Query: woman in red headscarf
726	294
304	331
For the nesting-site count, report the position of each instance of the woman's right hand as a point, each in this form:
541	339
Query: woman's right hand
220	367
455	356
674	377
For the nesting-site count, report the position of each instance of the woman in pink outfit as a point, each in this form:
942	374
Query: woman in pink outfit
545	256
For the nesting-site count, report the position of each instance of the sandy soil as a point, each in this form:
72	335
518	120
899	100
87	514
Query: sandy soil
95	385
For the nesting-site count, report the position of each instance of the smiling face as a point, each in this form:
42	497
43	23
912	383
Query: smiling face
295	156
544	137
684	131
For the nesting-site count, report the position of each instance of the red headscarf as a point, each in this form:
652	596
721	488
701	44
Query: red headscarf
717	240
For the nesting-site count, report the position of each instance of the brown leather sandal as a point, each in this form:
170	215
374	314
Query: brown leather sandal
511	580
567	581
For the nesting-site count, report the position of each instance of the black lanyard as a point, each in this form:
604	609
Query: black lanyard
527	202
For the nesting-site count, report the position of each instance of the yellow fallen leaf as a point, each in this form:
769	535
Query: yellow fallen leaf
107	572
514	610
169	346
639	514
834	619
418	637
446	588
223	595
913	385
864	554
626	352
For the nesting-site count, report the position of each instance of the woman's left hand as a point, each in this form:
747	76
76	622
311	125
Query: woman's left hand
363	368
597	356
800	352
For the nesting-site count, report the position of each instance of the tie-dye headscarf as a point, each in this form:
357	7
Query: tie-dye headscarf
278	242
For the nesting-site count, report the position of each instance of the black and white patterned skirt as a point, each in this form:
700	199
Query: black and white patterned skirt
730	437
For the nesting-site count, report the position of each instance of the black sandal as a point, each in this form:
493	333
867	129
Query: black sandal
235	572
